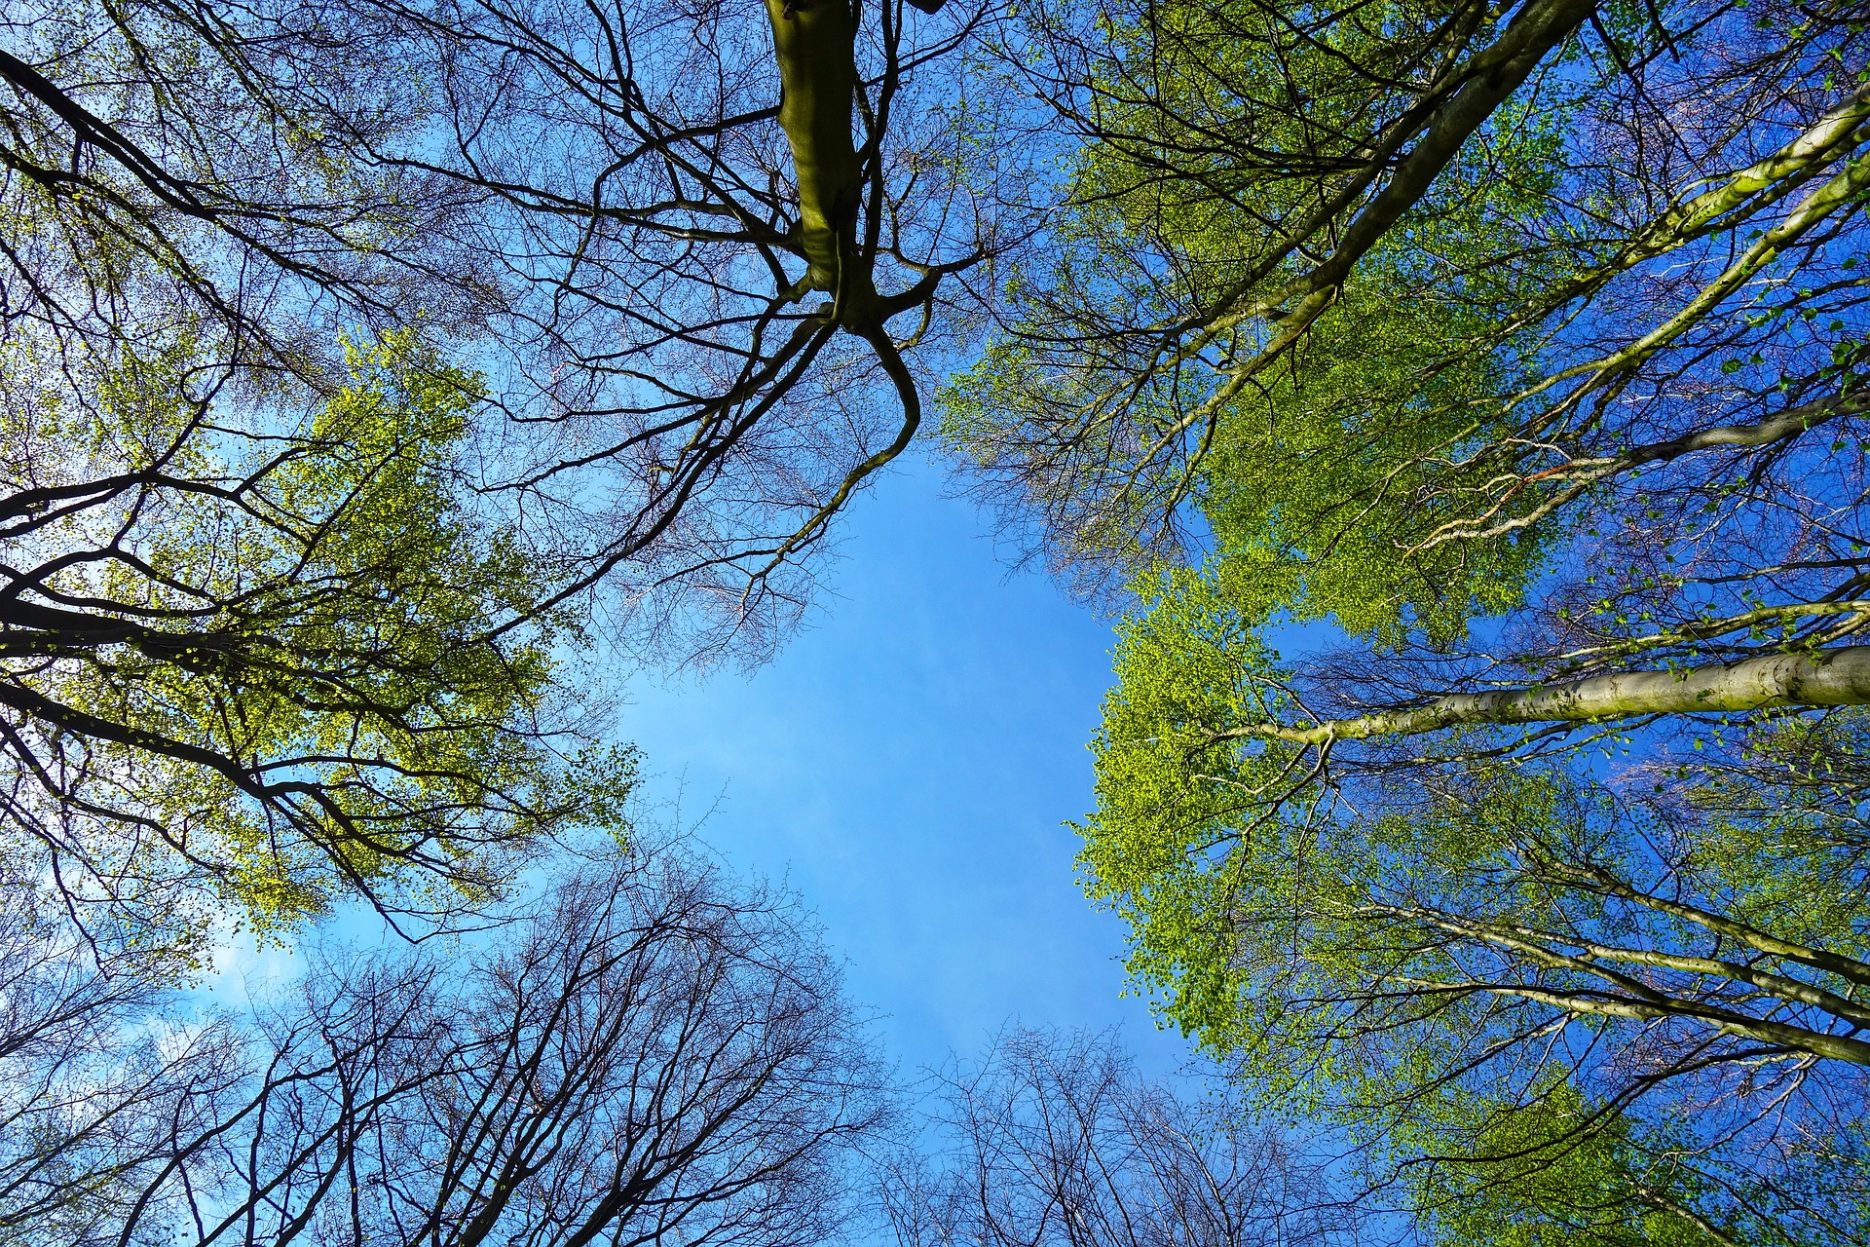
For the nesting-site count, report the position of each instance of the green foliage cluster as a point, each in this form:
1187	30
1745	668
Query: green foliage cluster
1566	978
298	659
1219	129
1602	1187
1418	978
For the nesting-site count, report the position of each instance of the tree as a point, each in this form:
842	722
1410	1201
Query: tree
267	670
1057	1140
96	1071
592	203
1501	396
1527	347
651	1053
342	407
1623	1182
1437	955
1384	292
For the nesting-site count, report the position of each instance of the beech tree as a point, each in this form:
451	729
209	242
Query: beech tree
1438	947
1525	346
652	1053
364	363
606	210
264	671
1477	378
1055	1139
1384	293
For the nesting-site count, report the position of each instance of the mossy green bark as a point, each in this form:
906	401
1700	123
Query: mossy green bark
814	42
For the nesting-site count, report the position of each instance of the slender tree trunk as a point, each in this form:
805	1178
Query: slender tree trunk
1837	677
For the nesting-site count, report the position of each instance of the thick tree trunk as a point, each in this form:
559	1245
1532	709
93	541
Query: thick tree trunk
814	42
1838	677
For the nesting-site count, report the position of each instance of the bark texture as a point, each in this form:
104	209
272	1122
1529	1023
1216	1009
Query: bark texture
1837	677
814	42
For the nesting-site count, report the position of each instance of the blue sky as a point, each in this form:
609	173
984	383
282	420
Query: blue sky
905	764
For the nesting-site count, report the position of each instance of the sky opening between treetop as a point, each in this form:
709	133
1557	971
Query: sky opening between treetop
470	472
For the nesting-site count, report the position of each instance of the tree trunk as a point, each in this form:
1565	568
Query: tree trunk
1838	677
814	42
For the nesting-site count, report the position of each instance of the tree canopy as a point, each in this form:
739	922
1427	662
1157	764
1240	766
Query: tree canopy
1524	347
285	663
1465	402
650	1052
1056	1139
605	210
364	365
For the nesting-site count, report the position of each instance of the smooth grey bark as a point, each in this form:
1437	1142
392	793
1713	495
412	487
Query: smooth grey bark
1836	677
